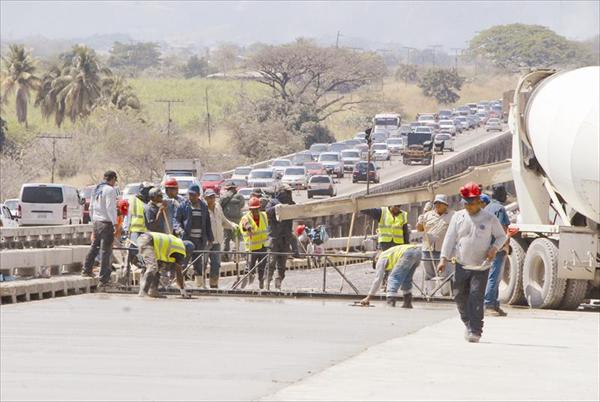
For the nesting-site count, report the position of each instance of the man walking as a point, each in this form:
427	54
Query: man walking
217	222
473	238
496	207
401	261
232	204
104	217
434	224
192	222
253	226
280	233
392	226
155	212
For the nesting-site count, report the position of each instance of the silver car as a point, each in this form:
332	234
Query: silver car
263	178
395	145
350	157
332	161
279	165
295	177
321	185
493	124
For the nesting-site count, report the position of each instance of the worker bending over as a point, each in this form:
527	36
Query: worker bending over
392	226
253	226
160	248
401	261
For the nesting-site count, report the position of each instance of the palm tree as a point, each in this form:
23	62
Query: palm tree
52	83
20	69
119	94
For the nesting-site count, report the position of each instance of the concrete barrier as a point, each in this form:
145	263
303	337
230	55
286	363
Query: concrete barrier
38	289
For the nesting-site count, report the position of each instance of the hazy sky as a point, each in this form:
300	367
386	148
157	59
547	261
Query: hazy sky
449	23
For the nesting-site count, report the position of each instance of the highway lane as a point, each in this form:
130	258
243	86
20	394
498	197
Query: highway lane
391	170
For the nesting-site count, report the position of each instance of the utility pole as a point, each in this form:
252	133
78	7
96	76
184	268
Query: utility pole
369	139
207	114
168	102
408	49
456	49
54	138
337	40
433	47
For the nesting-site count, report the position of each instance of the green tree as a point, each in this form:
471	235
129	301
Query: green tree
519	45
442	85
407	73
20	75
120	94
134	57
196	67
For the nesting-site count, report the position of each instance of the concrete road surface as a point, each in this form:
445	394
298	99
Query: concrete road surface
121	347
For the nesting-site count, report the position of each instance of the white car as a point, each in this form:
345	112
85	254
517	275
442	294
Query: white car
50	204
12	204
443	142
321	185
447	126
241	173
332	162
493	124
279	165
246	192
350	157
7	219
295	177
381	152
395	145
426	118
263	178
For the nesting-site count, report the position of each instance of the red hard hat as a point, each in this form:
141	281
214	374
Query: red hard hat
300	229
171	183
470	190
254	203
123	206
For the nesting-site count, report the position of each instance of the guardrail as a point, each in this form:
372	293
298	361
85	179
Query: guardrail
44	236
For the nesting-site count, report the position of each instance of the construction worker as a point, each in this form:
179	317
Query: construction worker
401	262
104	217
496	207
434	225
281	235
218	222
473	238
156	248
392	226
173	199
135	223
192	222
253	226
155	212
232	204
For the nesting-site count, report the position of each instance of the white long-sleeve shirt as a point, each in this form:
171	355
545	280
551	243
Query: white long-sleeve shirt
104	205
218	222
469	237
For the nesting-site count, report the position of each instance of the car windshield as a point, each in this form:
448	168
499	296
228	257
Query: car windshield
211	177
329	157
426	117
294	171
423	130
494	121
318	147
281	162
261	174
350	154
386	121
313	166
395	141
11	204
363	166
320	179
239	182
379	147
245	191
299	158
184	184
462	118
338	147
42	195
442	137
446	123
242	171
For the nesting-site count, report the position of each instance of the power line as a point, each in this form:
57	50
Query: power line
168	102
54	138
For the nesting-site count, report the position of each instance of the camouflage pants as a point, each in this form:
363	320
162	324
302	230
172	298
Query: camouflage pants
150	279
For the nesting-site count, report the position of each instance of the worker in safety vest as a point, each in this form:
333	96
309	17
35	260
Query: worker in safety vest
392	226
157	247
401	262
253	226
135	223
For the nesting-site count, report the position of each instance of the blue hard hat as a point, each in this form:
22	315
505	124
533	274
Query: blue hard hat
485	198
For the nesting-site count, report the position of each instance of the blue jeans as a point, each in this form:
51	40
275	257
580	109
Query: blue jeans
402	273
102	244
215	261
198	245
469	287
491	290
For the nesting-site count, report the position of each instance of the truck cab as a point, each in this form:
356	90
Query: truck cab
418	148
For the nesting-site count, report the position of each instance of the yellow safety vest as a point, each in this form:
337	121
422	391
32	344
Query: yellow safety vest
258	238
390	226
165	245
393	254
137	223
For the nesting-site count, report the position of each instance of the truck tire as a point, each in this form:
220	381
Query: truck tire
542	287
574	294
511	283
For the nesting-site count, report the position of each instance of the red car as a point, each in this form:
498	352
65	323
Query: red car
314	169
213	181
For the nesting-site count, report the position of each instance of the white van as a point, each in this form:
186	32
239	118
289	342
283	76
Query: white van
49	204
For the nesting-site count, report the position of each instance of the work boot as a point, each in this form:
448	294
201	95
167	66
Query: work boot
154	293
495	312
214	283
278	283
391	301
85	274
407	301
472	337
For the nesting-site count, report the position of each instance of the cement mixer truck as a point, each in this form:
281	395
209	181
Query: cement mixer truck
555	167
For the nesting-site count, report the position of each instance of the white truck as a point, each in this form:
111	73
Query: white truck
386	122
555	165
183	167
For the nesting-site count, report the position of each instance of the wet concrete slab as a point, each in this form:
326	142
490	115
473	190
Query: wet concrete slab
121	347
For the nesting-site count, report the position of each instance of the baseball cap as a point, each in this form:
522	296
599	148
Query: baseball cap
285	187
155	191
194	189
441	198
209	193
